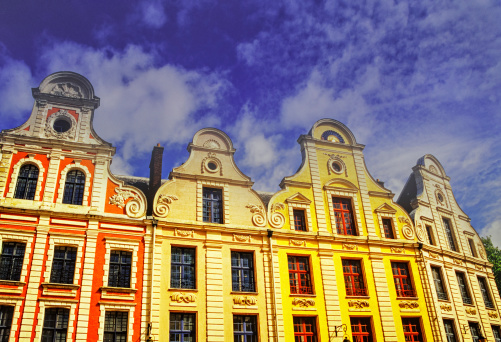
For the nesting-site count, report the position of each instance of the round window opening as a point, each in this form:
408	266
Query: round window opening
440	198
212	166
61	125
336	166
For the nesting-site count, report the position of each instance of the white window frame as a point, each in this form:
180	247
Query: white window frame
62	181
349	194
201	184
73	241
16	303
56	304
15	174
117	244
26	238
116	307
385	211
303	204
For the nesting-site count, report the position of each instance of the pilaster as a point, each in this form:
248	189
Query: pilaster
331	295
214	288
99	185
364	193
51	181
318	194
4	169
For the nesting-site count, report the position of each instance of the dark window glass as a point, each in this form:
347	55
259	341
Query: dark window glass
27	182
55	325
353	278
11	261
412	329
305	329
439	284
402	280
6	313
182	327
343	216
74	187
244	328
212	205
299	221
473	250
182	271
449	234
485	293
475	332
450	333
497	333
361	329
430	235
388	229
61	125
299	275
463	288
63	265
115	326
120	268
242	271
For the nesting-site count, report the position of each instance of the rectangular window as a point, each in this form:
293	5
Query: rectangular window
63	265
429	232
244	328
401	278
305	329
344	216
182	268
496	332
299	275
353	278
388	229
361	329
463	288
412	329
485	293
115	326
11	261
242	271
6	313
450	332
439	283
182	327
475	331
299	220
55	325
473	250
120	269
449	234
212	205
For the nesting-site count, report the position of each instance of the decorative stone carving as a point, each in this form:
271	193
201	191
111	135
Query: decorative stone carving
492	314
481	250
133	208
358	304
184	233
276	218
162	208
446	307
211	143
350	247
245	300
433	169
183	297
293	242
67	89
212	164
397	250
458	262
241	238
470	311
408	305
259	217
303	302
404	219
479	267
120	197
50	132
433	255
408	232
420	232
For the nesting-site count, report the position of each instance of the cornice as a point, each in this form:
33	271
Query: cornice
179	175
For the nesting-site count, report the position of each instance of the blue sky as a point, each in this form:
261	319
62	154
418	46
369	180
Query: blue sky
407	77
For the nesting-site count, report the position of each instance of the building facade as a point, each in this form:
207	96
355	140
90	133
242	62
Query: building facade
202	256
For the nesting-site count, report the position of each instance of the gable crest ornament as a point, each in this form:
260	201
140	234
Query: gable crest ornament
259	217
133	208
162	208
67	89
277	219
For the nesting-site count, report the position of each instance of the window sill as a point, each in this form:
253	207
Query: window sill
470	305
123	293
182	290
55	289
60	286
407	298
118	289
244	293
12	282
361	297
12	286
302	295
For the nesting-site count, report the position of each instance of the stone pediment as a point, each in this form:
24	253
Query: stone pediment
385	208
298	198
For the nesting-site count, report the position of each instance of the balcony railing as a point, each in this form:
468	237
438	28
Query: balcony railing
406	293
356	292
301	289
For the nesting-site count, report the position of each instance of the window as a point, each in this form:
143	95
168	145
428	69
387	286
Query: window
439	283
27	182
244	328
6	313
343	216
448	233
496	332
299	275
11	261
475	331
450	333
473	250
55	325
305	329
299	220
402	280
430	235
63	265
361	330
74	187
213	205
463	288
182	269
242	271
353	278
412	329
388	229
115	326
182	327
120	269
485	293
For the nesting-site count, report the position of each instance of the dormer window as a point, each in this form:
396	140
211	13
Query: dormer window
27	182
74	187
212	205
343	214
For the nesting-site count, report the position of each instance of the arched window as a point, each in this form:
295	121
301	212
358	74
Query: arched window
27	182
74	187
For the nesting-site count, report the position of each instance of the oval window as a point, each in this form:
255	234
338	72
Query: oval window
61	125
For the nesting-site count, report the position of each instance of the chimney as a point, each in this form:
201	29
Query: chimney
155	175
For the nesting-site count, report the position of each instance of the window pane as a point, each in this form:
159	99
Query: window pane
120	269
27	182
11	261
74	187
183	268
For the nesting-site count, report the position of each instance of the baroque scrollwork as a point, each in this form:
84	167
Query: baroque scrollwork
408	232
420	232
241	238
404	219
458	262
470	311
162	208
350	247
397	250
277	219
433	255
184	233
134	206
293	242
67	89
303	302
446	307
408	305
259	217
183	297
245	300
49	126
492	314
358	304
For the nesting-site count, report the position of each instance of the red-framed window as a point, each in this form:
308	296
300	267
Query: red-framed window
299	220
412	329
305	329
343	215
402	279
361	329
299	275
353	278
388	229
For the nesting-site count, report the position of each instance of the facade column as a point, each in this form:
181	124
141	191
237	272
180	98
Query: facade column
214	288
273	296
316	184
4	169
51	180
358	158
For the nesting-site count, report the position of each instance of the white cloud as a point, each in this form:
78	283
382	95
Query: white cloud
153	13
16	82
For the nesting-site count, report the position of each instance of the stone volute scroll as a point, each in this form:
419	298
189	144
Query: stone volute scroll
162	208
407	230
276	218
259	216
134	204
